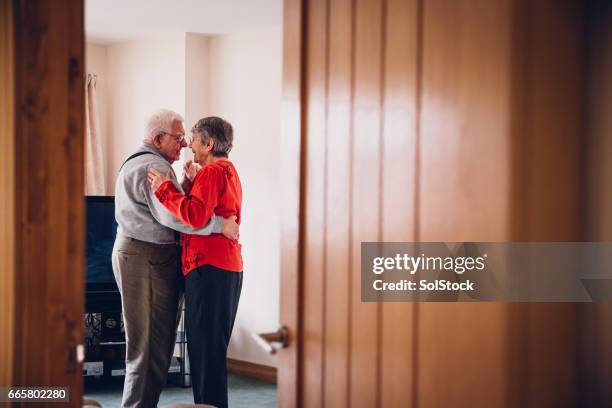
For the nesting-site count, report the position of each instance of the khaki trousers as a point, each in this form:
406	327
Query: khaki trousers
150	283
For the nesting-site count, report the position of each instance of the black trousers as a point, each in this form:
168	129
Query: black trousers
211	302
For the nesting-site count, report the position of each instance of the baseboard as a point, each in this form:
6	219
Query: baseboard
252	370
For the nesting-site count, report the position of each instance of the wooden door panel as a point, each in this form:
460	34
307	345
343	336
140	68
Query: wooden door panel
420	121
399	181
314	202
45	272
289	378
597	326
7	199
547	184
364	320
338	175
464	180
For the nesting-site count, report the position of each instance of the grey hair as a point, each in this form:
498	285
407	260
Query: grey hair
160	122
217	129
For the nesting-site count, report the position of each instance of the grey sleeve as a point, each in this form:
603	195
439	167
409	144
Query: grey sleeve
165	217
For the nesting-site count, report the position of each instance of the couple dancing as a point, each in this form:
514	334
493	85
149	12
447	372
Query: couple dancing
151	208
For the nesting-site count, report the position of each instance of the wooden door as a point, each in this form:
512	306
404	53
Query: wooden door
597	326
500	161
42	207
7	200
416	120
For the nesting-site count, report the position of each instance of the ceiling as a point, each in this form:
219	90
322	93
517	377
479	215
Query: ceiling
110	21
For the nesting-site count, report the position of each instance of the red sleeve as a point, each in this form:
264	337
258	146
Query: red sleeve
196	208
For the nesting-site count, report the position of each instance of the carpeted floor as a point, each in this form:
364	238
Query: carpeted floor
243	392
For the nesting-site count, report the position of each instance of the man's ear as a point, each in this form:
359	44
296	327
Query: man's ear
157	141
210	144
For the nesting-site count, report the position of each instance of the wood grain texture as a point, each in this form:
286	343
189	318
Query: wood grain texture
464	192
398	183
547	183
49	133
289	382
314	203
426	121
596	369
338	204
364	368
494	103
7	199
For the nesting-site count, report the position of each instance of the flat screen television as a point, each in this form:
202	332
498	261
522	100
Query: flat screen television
101	230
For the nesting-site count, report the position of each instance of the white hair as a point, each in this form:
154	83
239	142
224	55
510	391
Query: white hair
160	122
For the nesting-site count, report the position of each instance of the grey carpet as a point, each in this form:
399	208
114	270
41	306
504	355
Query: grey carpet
243	392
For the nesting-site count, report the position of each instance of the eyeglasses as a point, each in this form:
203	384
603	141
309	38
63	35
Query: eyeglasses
177	138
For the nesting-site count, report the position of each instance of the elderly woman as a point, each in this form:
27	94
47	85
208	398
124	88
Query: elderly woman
212	264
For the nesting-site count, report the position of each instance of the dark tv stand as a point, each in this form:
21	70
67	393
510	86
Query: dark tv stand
103	301
108	304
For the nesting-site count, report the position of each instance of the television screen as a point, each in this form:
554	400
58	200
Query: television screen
101	229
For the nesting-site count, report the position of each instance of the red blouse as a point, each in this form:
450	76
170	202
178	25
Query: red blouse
217	190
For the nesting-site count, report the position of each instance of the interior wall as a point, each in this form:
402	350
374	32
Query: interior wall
137	77
245	85
197	72
144	76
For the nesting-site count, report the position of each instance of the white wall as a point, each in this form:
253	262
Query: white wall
237	77
197	73
145	75
245	89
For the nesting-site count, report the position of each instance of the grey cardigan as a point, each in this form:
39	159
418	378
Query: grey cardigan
139	213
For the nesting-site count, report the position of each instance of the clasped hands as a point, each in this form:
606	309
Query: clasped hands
231	230
156	178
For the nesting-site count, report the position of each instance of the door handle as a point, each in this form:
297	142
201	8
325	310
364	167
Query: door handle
267	340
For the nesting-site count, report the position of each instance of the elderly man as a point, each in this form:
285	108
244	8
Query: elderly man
145	260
